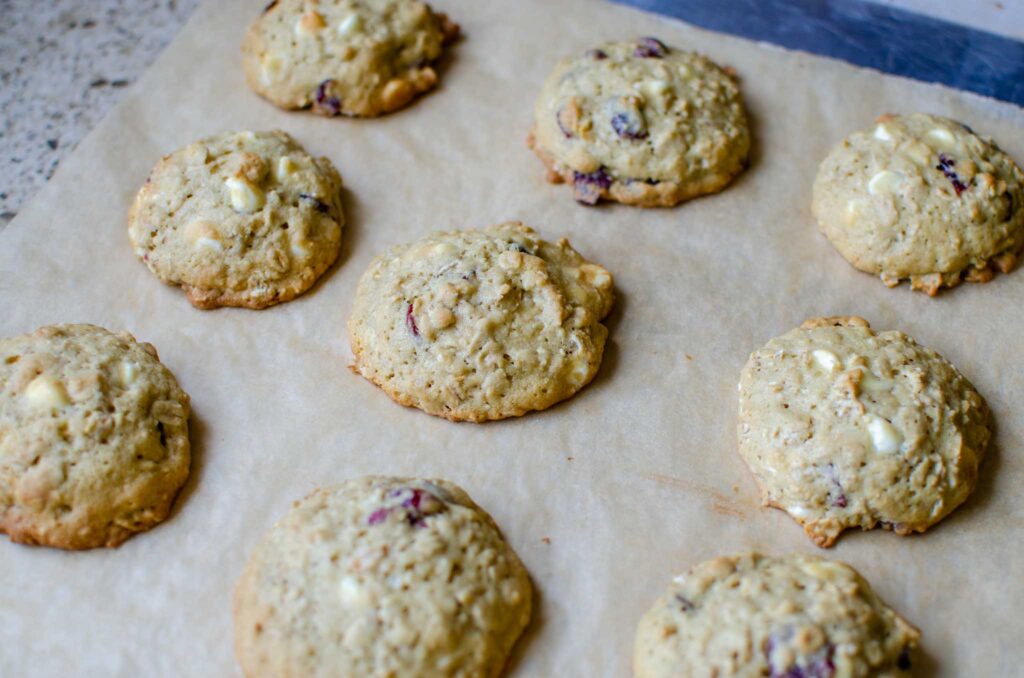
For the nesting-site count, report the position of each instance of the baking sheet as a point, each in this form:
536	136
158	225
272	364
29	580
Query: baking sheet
605	496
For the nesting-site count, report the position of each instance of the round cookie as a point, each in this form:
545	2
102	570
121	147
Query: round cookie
93	437
640	123
479	325
787	616
345	57
381	577
240	219
922	197
845	427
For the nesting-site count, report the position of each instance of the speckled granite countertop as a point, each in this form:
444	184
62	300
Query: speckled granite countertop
63	65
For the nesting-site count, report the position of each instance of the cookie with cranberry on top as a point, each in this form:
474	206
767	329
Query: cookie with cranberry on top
345	57
924	198
791	616
481	324
640	123
381	576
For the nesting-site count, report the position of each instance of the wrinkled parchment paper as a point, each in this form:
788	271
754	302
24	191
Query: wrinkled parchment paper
606	496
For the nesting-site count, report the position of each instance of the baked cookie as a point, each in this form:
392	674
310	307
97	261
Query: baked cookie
93	437
922	197
381	577
640	123
241	219
478	325
793	616
345	57
845	427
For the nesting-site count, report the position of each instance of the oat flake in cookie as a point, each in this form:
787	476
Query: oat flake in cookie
923	198
478	325
345	57
241	219
793	616
640	123
93	437
846	427
381	577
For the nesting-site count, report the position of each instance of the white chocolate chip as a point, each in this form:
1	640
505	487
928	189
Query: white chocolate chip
598	276
826	359
941	138
580	372
350	24
882	133
298	248
45	392
852	211
884	435
884	182
284	168
351	592
920	153
127	372
655	91
203	233
245	197
270	68
798	511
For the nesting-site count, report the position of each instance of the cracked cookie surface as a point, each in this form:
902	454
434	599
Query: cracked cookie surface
381	577
924	198
640	123
93	437
845	427
481	324
787	616
345	57
240	219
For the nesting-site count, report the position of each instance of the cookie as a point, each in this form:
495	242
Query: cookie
479	325
923	198
240	219
846	427
93	437
381	577
640	123
786	616
345	57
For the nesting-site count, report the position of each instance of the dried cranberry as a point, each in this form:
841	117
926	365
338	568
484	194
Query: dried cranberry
419	505
587	188
318	204
410	321
326	103
378	516
818	665
650	48
629	126
945	166
597	54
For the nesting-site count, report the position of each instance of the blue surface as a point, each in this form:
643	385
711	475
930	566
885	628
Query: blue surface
890	40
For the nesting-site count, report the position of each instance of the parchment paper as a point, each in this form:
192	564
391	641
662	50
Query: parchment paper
632	481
